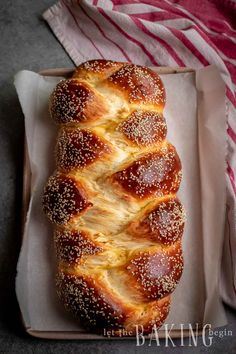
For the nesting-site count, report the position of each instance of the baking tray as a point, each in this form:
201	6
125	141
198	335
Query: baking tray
26	193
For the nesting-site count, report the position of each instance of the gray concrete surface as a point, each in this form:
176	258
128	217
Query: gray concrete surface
26	42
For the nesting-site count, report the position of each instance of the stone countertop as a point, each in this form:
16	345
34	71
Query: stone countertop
27	43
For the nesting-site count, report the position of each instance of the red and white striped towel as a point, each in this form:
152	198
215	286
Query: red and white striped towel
162	33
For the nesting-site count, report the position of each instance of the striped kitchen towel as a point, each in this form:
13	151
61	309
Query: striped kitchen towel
162	33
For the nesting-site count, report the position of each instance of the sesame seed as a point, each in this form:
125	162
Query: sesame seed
79	148
144	128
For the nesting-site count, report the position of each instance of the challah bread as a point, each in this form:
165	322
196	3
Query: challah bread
112	200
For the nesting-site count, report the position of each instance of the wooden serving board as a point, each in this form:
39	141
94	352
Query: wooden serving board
66	72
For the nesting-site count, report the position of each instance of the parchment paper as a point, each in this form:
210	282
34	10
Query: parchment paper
196	121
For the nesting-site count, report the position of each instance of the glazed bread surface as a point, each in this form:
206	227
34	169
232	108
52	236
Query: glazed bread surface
112	199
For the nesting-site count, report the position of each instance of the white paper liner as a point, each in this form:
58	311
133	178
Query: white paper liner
195	114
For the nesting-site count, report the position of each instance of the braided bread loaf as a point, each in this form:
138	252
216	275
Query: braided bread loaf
118	223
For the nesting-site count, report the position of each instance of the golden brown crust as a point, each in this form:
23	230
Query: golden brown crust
140	85
157	271
113	198
78	148
63	198
144	128
74	101
164	223
91	302
155	174
73	246
98	69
